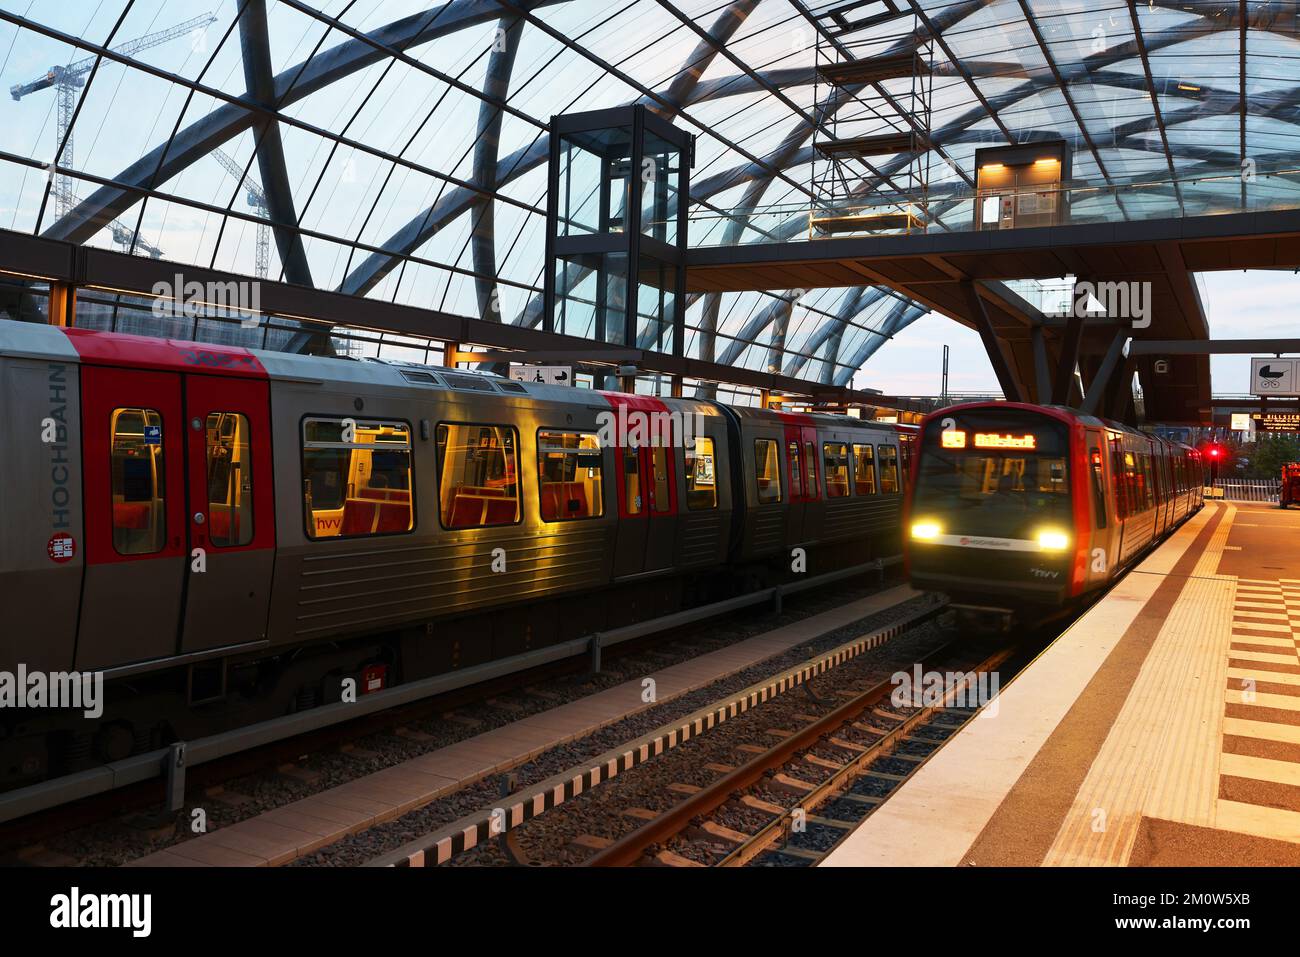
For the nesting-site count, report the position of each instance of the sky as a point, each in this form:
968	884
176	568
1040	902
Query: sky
1255	304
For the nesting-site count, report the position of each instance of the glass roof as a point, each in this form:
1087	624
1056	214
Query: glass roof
408	140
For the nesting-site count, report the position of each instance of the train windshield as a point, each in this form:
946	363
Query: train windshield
993	473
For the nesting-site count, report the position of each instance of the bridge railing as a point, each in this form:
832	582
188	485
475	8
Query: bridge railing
953	208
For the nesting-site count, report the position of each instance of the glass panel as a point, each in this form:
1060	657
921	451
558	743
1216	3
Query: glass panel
569	466
591	294
701	477
594	181
810	462
864	470
796	472
661	470
477	475
138	482
767	471
632	481
888	469
836	458
660	165
356	477
230	480
656	305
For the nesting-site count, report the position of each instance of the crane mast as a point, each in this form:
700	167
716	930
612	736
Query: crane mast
257	200
67	81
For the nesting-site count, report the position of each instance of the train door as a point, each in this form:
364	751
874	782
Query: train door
230	513
134	480
794	477
661	531
630	547
814	517
647	489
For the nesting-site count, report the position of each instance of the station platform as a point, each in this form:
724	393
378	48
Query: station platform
1162	728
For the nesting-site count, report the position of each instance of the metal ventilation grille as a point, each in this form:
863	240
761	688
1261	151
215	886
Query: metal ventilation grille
506	385
420	378
467	383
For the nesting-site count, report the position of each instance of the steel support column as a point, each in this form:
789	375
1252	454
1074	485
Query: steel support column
992	345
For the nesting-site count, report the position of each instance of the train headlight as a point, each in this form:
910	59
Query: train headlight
925	531
1053	540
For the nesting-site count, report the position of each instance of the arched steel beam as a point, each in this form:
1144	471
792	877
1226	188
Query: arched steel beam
291	85
255	48
496	84
902	316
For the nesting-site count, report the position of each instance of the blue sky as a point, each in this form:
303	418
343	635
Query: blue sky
1240	305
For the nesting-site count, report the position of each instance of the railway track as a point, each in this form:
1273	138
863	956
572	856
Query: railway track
695	820
488	835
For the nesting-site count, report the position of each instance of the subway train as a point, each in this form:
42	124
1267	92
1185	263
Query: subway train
227	535
1021	512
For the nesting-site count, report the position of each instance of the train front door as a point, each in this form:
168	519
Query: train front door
134	501
230	513
178	514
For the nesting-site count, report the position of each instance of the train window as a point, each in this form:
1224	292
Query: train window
796	472
767	471
810	460
478	475
230	480
1098	485
1148	483
632	480
701	475
836	464
138	482
569	467
356	477
1011	483
864	470
661	473
888	469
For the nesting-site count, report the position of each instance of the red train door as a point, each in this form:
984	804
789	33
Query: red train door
645	469
134	470
231	511
173	464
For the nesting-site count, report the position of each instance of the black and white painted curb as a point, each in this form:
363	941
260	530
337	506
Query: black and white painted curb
477	828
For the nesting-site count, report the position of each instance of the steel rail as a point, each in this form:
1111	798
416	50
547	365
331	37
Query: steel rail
630	848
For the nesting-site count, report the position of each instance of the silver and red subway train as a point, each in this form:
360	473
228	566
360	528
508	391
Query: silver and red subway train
1021	512
227	535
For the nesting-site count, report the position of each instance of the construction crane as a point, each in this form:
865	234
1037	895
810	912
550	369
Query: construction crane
257	200
67	80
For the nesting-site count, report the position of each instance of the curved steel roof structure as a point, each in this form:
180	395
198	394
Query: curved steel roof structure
396	149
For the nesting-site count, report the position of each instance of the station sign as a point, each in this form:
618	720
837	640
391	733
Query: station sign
1274	376
1241	421
1277	421
546	375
